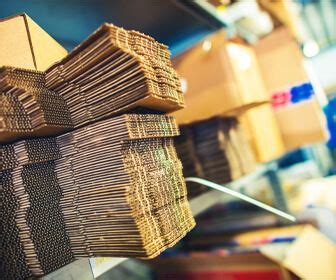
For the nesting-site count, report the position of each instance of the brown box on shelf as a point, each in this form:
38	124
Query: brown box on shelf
280	60
219	77
26	45
301	124
263	133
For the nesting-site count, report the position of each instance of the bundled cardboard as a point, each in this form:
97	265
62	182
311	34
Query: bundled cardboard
302	124
26	45
28	108
280	60
262	131
220	78
110	188
115	70
114	188
111	72
215	150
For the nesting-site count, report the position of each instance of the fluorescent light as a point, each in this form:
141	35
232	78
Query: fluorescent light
206	46
311	48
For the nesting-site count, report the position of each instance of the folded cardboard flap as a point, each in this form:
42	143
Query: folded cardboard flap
310	256
24	44
15	48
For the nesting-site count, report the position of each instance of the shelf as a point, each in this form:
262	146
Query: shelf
79	269
204	201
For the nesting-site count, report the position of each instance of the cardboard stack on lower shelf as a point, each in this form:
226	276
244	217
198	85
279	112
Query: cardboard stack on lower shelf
137	186
115	70
27	107
113	188
31	199
214	149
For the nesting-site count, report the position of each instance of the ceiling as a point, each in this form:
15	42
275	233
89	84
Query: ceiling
177	23
318	21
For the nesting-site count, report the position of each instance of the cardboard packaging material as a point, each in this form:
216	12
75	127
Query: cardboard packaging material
26	45
112	72
301	124
219	78
310	256
28	108
216	150
262	131
111	189
115	70
280	60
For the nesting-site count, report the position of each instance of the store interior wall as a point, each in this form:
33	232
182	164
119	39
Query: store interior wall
324	67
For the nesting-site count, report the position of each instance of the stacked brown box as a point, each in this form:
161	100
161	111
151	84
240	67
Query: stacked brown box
263	133
302	123
281	61
220	78
214	149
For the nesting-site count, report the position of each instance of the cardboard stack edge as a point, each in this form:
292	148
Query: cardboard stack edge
214	149
112	185
28	108
112	72
129	62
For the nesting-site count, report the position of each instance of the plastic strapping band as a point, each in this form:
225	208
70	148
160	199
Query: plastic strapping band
241	196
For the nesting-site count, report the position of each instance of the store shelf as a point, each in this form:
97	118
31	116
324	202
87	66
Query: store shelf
80	269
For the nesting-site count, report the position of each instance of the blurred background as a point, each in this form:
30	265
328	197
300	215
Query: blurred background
259	80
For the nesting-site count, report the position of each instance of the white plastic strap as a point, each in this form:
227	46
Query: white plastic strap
241	196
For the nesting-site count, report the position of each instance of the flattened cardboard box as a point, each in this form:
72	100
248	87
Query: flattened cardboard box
220	78
24	44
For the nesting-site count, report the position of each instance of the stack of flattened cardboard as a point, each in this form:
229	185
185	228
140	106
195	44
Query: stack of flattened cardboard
214	149
36	241
27	107
110	188
113	71
129	168
113	188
